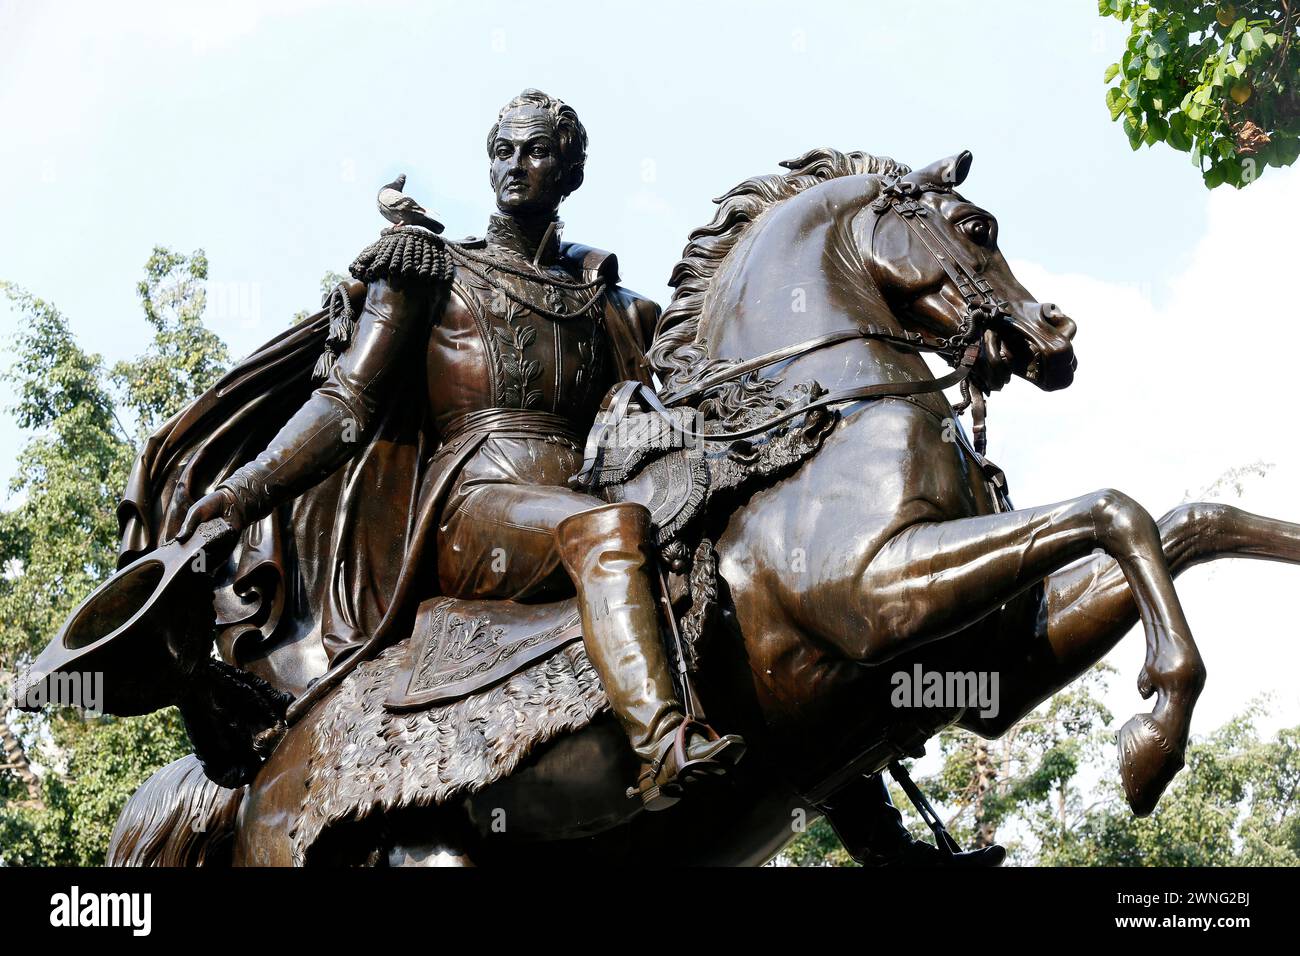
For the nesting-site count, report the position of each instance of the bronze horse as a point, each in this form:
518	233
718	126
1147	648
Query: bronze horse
891	546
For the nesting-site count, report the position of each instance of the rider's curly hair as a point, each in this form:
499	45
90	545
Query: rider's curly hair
569	131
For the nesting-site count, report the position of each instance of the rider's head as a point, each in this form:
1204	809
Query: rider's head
538	149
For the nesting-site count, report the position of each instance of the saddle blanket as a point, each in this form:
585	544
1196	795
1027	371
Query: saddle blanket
489	700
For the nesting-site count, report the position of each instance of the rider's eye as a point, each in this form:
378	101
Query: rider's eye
980	230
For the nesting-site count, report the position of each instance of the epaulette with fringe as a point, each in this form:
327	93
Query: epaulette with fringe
343	324
404	254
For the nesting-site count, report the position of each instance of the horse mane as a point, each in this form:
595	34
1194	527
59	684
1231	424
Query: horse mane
674	353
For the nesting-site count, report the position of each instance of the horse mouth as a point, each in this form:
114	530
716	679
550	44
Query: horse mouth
1051	368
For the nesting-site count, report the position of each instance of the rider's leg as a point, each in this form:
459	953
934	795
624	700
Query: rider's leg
606	551
498	540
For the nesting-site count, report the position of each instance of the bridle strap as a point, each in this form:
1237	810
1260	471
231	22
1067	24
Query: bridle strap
982	303
627	391
910	340
858	393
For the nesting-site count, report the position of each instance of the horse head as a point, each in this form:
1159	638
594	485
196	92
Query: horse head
935	255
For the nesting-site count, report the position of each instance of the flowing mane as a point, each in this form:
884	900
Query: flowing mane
674	353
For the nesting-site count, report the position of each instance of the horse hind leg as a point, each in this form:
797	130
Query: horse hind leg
935	579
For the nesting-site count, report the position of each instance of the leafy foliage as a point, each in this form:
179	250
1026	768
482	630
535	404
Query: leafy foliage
1047	791
185	357
1234	805
327	284
58	540
1219	80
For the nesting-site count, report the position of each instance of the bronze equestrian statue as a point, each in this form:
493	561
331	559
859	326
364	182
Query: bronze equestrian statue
383	497
519	353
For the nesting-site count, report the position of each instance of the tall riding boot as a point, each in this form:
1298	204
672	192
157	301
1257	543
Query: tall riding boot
605	551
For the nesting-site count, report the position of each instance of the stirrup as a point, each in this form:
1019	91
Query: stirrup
686	771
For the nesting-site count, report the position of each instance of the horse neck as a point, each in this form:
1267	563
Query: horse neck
799	275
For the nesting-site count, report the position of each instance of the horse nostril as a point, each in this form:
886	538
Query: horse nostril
1058	320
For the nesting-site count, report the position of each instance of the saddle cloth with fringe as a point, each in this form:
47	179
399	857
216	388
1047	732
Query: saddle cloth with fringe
476	689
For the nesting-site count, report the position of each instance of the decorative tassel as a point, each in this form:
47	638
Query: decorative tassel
324	365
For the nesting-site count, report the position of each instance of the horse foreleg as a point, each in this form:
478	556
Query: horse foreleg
1048	639
935	579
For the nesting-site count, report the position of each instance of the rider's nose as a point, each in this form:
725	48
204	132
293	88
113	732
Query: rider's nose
1058	320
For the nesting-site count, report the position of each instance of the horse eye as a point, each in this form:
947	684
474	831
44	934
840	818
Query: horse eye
980	231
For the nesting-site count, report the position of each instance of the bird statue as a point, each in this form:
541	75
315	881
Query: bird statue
402	210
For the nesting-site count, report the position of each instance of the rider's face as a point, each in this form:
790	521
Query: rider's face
527	171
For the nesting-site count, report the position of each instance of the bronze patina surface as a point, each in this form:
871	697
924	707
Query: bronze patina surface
818	523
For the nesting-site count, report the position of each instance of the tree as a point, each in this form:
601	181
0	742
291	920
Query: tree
59	541
1047	791
185	357
1234	805
1027	774
327	283
1219	80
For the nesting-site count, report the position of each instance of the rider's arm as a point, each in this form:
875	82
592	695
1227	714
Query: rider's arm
334	423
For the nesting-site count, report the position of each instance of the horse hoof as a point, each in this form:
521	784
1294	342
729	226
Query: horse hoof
1148	760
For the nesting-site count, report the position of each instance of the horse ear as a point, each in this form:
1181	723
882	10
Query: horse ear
944	174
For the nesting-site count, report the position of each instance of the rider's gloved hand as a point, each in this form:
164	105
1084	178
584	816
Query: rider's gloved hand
219	504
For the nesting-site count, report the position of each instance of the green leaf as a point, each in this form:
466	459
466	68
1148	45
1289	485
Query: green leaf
1116	101
1285	150
1111	72
1253	39
1157	129
1134	132
1238	28
1178	137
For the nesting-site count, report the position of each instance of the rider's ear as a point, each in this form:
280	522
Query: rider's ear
945	174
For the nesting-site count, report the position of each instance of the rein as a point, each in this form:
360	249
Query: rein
983	306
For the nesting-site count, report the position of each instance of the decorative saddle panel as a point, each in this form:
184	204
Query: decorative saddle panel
461	647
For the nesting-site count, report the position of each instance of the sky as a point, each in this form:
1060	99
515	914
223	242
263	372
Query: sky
261	132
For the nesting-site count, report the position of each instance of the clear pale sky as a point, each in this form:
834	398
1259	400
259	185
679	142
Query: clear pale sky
261	132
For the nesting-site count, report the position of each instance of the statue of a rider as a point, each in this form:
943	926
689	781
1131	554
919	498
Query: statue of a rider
521	346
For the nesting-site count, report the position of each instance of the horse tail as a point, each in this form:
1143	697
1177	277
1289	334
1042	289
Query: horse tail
178	817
